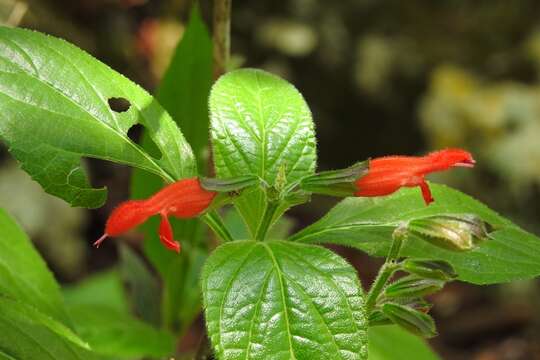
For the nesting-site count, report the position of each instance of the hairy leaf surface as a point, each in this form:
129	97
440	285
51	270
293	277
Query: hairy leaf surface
260	125
278	300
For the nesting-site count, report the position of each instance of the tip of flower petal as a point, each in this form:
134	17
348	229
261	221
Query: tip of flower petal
467	163
171	245
100	240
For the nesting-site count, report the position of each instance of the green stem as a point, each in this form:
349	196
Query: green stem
385	273
214	222
388	268
266	221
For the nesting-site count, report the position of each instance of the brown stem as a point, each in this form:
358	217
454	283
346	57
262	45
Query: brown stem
221	36
221	39
204	352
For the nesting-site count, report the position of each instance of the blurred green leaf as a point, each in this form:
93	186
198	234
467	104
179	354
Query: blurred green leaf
185	87
509	253
55	106
143	286
34	323
114	333
276	299
24	275
27	311
391	343
184	93
28	333
99	289
260	125
101	315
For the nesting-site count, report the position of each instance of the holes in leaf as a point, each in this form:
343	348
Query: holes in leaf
138	135
134	133
119	104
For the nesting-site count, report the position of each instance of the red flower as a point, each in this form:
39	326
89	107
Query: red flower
182	199
388	174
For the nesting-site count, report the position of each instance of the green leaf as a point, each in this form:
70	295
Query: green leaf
260	125
28	333
183	301
144	288
280	300
28	311
99	289
185	87
24	275
100	311
54	111
118	334
391	343
184	92
509	253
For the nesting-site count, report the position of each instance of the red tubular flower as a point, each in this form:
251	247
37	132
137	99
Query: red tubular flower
183	199
388	174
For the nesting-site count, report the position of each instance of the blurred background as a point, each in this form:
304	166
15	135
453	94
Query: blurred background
381	77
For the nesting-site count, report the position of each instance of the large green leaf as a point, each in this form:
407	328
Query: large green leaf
24	275
184	93
29	334
367	224
103	288
33	321
261	125
101	315
118	334
185	87
391	343
280	300
143	286
54	106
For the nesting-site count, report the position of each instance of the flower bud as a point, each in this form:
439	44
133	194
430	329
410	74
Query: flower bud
457	232
418	304
412	286
410	319
430	269
377	317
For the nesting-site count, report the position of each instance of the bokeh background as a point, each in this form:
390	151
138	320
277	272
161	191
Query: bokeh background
381	77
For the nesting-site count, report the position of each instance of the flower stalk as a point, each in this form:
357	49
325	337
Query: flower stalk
387	270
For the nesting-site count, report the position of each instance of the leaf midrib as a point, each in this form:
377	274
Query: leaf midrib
283	300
